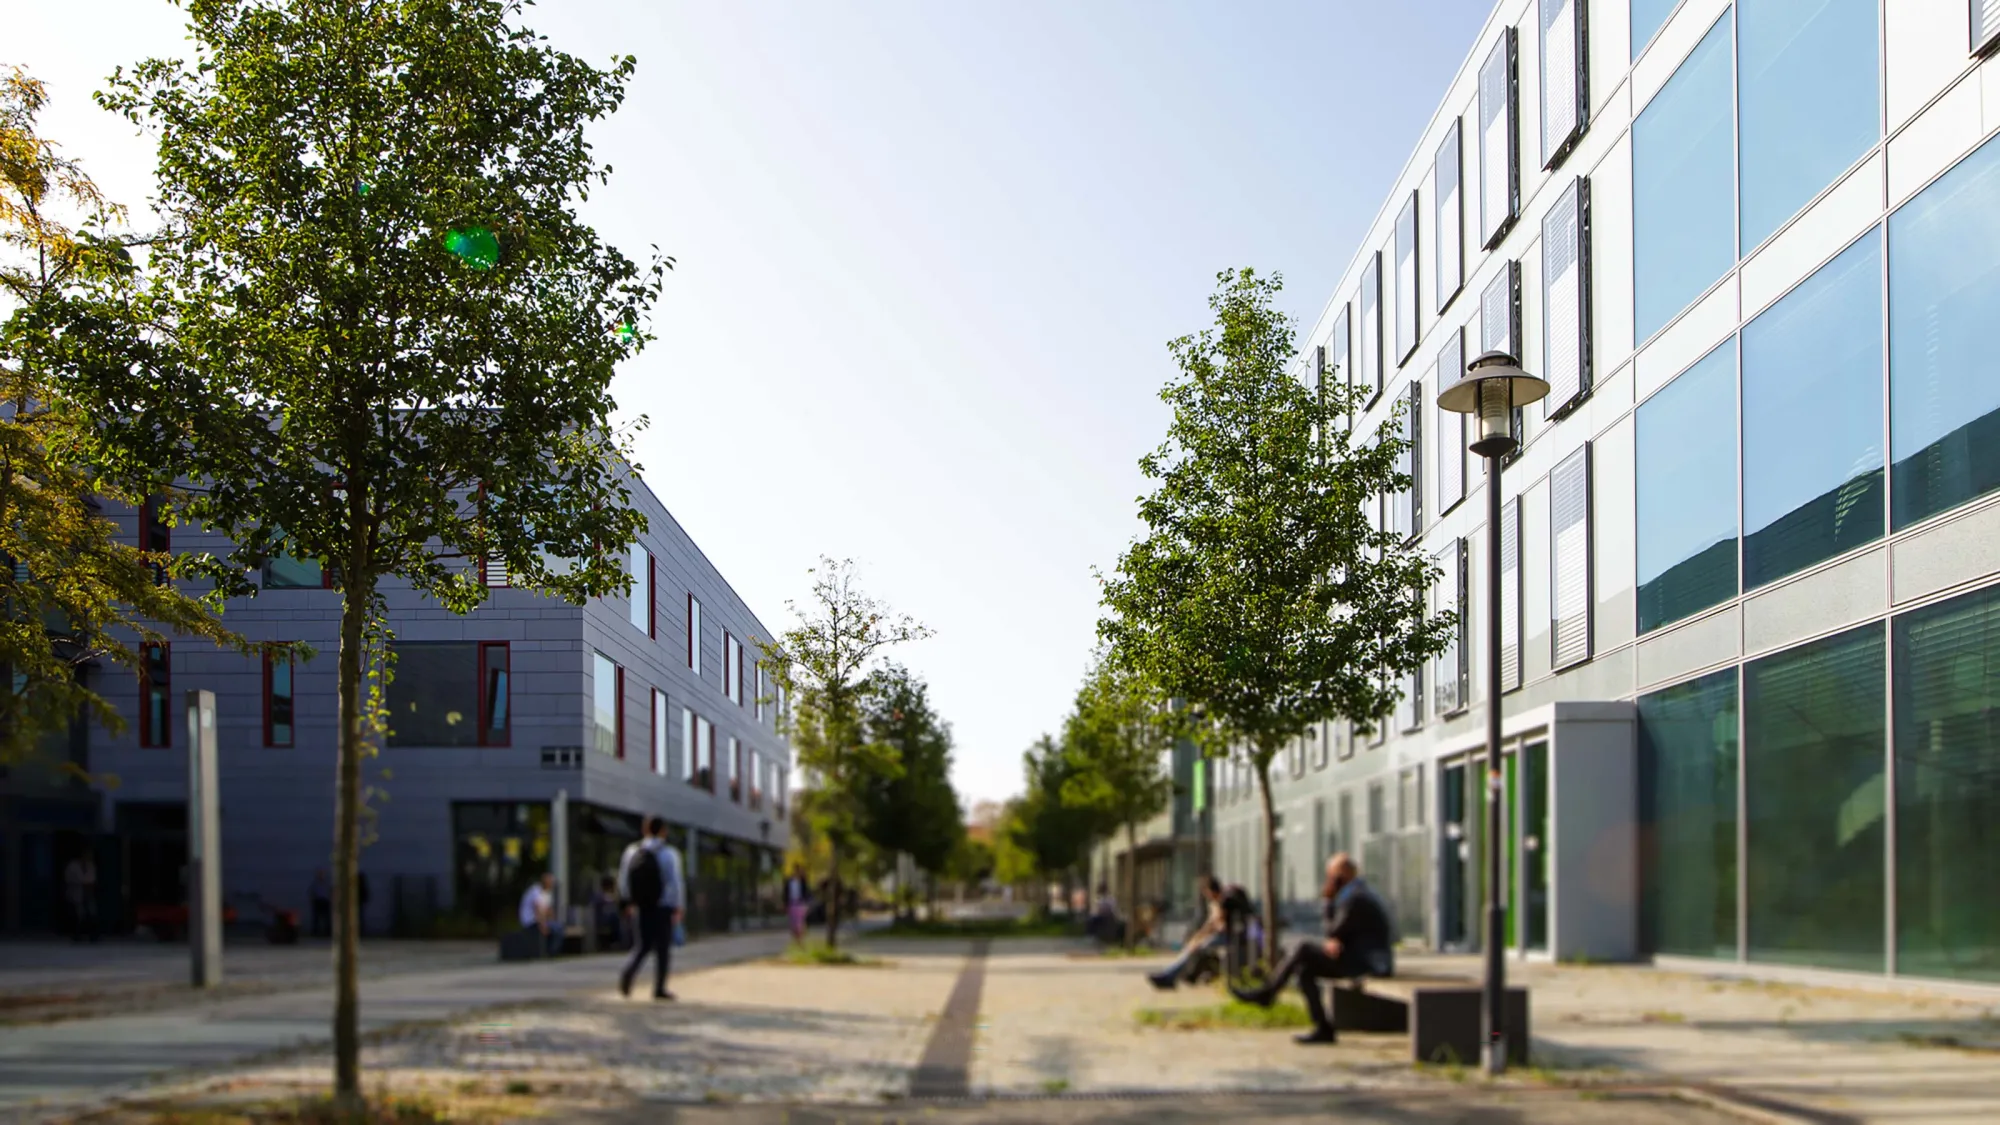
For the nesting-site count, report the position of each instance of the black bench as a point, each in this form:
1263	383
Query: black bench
1441	1017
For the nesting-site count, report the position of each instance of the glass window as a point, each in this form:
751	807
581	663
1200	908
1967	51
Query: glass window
1684	186
1499	171
1687	818
1338	351
1648	16
1569	552
1944	298
659	732
640	564
277	698
1808	99
1448	221
1687	492
729	665
495	692
1985	25
1500	331
1948	788
1812	419
156	686
694	635
1448	680
1510	596
1450	425
1406	280
1813	720
687	746
283	572
433	695
705	759
604	705
733	762
1370	373
1408	505
1565	97
1566	298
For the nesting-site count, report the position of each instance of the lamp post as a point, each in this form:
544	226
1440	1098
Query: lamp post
1492	386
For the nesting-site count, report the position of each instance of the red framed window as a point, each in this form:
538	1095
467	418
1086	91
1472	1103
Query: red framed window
496	701
156	673
278	697
621	711
694	635
652	598
735	761
756	780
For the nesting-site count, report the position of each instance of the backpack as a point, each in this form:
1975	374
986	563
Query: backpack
1235	902
645	883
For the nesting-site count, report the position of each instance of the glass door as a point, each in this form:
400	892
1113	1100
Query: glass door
1534	809
1455	901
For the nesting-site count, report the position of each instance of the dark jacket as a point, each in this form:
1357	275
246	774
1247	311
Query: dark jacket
1358	918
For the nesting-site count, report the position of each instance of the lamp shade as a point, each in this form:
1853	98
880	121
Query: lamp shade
1462	397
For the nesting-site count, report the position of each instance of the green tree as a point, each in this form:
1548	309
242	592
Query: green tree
913	811
1116	740
74	595
1263	595
1055	834
388	337
824	668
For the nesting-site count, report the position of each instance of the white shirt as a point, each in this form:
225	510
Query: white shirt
672	892
533	903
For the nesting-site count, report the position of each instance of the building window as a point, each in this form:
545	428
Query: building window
1510	596
1407	285
1412	706
277	698
1808	99
1409	503
1813	738
763	689
1370	373
755	770
286	572
1947	687
495	694
156	536
1448	221
689	748
1566	299
156	684
1339	352
1565	78
659	732
1687	492
1378	809
1321	739
1569	552
639	563
732	669
734	764
779	784
1812	364
607	705
1449	425
705	764
1985	25
1500	331
694	635
1684	186
1648	16
1944	299
1499	119
435	694
1687	818
1448	691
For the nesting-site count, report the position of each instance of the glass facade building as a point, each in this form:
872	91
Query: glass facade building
1750	615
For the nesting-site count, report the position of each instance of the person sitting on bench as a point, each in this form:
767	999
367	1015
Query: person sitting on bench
1212	934
1356	945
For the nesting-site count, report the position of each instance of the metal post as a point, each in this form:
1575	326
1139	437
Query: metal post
1496	963
204	862
559	862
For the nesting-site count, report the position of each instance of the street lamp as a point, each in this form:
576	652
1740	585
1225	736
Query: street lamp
1492	387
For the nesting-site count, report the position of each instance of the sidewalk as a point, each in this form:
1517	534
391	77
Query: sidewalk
84	1061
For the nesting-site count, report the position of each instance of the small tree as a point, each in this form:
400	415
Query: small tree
1115	741
384	337
1056	834
823	667
73	594
913	811
1263	594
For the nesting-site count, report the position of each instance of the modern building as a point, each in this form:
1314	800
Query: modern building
1750	622
528	734
1174	848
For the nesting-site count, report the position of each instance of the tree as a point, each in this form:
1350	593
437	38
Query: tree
824	667
913	811
1115	740
1055	835
384	337
74	594
1263	595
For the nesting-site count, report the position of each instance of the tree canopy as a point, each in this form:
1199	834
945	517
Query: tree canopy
914	809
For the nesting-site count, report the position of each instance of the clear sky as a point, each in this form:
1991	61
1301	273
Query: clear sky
930	255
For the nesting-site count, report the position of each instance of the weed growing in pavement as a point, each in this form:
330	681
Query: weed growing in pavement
381	1108
1234	1014
1055	1086
819	953
1662	1017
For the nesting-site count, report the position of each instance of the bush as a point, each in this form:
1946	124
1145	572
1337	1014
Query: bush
981	928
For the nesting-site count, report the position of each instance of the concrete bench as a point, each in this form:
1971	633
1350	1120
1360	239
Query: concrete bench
1441	1015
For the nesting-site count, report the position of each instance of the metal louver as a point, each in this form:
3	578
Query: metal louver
1569	555
1565	299
1985	25
1510	596
1450	426
1499	174
1565	104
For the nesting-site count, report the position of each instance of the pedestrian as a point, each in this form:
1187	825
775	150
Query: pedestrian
538	914
321	895
798	900
1357	944
80	880
650	884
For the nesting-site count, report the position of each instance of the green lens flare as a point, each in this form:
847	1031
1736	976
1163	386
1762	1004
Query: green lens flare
628	332
364	187
475	246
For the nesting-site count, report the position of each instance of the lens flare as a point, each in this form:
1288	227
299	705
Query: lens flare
363	187
627	332
475	246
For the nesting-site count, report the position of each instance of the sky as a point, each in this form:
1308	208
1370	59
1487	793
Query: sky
929	254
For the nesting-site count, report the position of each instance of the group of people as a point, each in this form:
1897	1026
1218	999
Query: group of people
1358	942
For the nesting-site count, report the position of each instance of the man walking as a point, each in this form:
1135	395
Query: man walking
80	880
1357	944
650	884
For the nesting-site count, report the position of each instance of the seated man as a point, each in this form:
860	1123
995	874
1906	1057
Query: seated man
1357	944
538	914
1210	935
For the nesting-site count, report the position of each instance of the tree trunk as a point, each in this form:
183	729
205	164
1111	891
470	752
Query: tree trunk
1131	884
1270	862
833	892
347	852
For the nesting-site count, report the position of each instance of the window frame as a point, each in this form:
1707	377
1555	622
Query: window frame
1372	365
734	746
1581	463
1410	293
642	585
690	731
1341	344
1512	618
1413	497
1558	405
694	634
1452	583
152	655
1983	25
658	732
1451	443
1448	218
1506	53
488	734
275	655
1579	34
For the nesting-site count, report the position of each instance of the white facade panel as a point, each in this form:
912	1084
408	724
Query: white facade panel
1814	237
1935	140
1611	257
1820	601
1926	44
1694	335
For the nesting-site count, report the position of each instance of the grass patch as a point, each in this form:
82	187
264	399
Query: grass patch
1120	953
1055	1086
819	953
1662	1017
1056	926
1234	1014
379	1109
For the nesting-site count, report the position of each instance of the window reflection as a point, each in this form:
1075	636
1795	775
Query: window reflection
1648	16
433	696
1812	419
1684	186
1808	100
1687	492
1687	818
